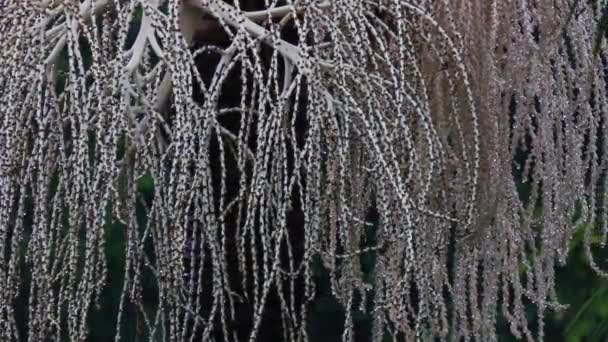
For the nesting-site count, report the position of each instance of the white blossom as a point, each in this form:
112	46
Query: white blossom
413	119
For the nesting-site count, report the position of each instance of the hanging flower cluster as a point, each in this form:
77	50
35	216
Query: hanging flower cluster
467	136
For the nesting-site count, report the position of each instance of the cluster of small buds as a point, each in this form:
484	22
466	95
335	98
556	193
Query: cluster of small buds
426	113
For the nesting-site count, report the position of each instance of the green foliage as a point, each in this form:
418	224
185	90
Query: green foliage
602	30
586	293
583	291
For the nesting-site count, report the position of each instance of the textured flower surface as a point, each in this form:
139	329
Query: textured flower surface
467	136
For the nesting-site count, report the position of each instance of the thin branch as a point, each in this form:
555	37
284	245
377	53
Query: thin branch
238	19
280	11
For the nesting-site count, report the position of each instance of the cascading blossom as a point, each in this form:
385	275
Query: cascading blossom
306	128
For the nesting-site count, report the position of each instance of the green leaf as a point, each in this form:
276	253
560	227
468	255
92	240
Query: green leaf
581	321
